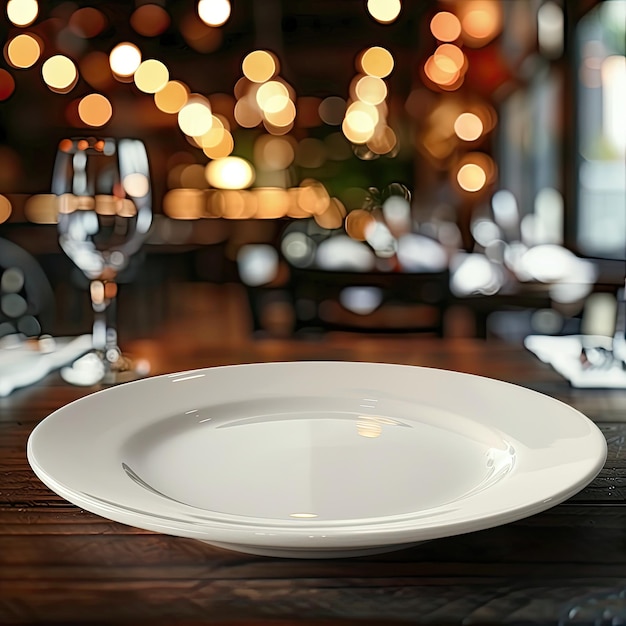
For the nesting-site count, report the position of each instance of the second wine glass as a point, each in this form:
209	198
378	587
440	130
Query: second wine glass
104	213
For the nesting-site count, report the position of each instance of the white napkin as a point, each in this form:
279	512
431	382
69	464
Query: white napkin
563	354
24	362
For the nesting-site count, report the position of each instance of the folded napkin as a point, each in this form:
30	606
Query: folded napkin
563	353
26	361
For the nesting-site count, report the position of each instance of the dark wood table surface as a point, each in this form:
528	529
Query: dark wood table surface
62	565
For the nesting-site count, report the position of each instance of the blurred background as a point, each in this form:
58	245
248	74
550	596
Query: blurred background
453	167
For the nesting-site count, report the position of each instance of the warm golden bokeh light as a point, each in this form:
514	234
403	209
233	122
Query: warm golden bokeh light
376	61
445	26
360	122
124	59
277	131
5	209
95	110
471	177
283	117
259	66
184	204
230	173
247	113
271	202
384	11
272	96
357	223
438	75
22	12
468	127
222	149
214	12
214	135
313	197
481	21
87	22
475	171
371	89
23	51
449	58
195	118
150	20
151	76
172	98
59	73
41	209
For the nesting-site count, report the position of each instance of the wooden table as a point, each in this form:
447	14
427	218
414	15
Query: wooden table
63	565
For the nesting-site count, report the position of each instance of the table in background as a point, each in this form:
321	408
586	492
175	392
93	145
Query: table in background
60	564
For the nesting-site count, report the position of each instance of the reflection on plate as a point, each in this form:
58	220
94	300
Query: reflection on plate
316	459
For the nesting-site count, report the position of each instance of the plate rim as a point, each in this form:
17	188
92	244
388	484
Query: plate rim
325	536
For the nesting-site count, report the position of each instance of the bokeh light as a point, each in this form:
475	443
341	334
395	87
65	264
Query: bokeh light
332	110
259	66
481	21
445	26
468	127
5	209
22	12
214	12
376	61
472	176
283	117
273	153
195	117
59	73
384	141
87	22
357	223
371	89
222	149
360	122
449	58
172	98
150	20
23	51
384	11
95	110
124	59
247	114
214	135
230	173
151	76
272	96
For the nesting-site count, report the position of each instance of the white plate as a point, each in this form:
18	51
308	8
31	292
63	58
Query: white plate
316	459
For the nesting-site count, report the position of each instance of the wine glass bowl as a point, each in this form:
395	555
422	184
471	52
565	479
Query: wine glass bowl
104	212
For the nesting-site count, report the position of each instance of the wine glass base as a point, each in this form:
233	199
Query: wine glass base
93	369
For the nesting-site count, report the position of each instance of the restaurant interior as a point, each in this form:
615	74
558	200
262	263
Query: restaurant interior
197	183
447	167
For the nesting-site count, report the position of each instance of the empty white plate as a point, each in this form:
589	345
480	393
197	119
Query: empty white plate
316	459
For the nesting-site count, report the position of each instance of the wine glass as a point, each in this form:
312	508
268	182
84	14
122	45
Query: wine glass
104	212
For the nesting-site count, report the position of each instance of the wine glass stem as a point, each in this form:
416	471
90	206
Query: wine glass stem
104	337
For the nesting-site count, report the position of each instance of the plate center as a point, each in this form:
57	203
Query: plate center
313	464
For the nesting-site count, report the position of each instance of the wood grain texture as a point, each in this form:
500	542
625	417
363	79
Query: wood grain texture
62	565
